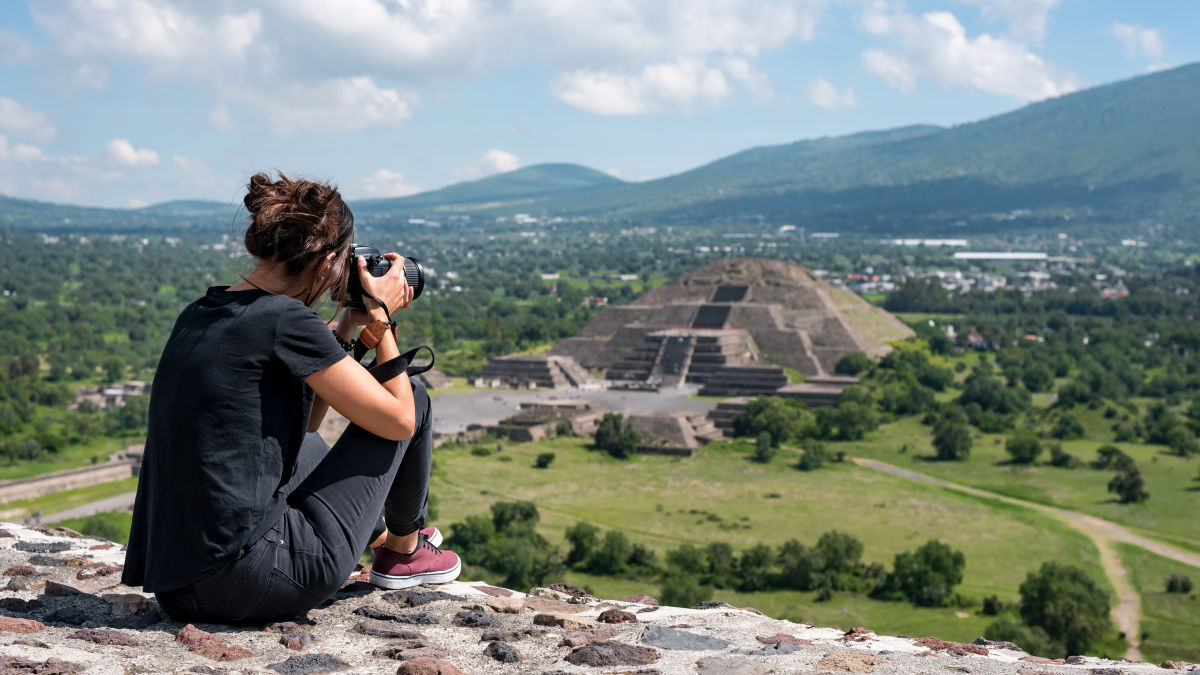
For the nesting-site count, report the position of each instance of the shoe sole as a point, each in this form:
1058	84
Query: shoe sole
394	582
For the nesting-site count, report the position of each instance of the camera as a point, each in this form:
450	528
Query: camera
377	266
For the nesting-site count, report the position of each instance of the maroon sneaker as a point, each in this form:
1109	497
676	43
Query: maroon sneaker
433	534
426	565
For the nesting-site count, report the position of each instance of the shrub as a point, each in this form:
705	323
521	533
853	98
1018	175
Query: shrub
992	605
928	575
852	363
1182	442
688	560
773	415
1062	459
1111	457
1128	485
754	567
1033	640
481	451
616	439
952	439
764	450
1066	605
1067	427
583	538
1179	584
682	590
544	459
564	428
815	454
99	526
1024	448
722	566
611	556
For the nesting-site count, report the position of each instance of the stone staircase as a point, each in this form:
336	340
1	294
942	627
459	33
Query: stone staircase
532	372
745	380
722	415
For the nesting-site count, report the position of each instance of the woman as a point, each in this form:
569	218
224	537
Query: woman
243	514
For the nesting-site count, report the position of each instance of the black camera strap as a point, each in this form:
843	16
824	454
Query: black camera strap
401	364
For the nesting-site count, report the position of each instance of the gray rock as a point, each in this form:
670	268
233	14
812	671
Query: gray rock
414	598
309	664
515	635
503	652
713	665
673	638
709	604
475	619
381	614
599	654
43	546
71	615
384	629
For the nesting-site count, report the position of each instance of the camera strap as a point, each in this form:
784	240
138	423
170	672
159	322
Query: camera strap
401	364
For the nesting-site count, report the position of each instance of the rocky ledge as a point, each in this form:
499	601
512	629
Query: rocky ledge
63	610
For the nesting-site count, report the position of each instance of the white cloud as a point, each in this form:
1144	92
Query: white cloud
385	183
30	173
823	94
20	121
1138	40
91	75
135	203
332	105
1156	67
1026	19
199	174
899	73
20	153
261	55
492	162
12	46
221	118
936	45
122	153
675	84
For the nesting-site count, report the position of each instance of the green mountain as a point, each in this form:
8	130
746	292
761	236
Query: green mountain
506	189
1118	153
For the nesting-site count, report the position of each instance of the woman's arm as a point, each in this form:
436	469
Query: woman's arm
385	409
344	331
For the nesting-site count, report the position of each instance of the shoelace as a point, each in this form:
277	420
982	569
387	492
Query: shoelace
423	542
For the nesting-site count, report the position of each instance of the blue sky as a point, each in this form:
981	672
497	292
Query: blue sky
129	102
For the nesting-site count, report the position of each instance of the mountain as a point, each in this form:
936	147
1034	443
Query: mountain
1129	150
505	189
1118	153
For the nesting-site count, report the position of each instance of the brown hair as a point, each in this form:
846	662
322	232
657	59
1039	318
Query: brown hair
297	223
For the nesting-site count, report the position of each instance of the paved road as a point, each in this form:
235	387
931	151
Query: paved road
115	503
1128	610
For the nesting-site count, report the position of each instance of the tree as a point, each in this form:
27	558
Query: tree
815	455
583	538
764	450
928	575
1038	377
510	517
1179	584
1067	427
99	526
611	557
1067	606
799	565
1182	441
754	567
770	414
952	439
722	566
1128	485
616	439
1024	448
1032	640
1111	457
687	559
852	363
682	590
544	459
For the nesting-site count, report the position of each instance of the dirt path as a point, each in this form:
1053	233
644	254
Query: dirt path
119	502
1127	611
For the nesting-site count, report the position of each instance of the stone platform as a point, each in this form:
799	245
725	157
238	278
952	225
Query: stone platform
64	612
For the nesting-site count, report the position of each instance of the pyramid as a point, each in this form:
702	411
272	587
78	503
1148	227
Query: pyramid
729	314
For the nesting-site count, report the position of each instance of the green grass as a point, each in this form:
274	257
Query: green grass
1168	515
69	499
663	502
1171	621
120	520
70	457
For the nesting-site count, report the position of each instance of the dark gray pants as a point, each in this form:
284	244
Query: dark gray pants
334	500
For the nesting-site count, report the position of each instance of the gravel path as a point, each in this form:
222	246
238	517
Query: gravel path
1127	611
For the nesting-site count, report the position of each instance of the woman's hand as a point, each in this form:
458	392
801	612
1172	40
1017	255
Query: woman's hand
392	288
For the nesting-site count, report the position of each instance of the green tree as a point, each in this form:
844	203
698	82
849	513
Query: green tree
514	517
1038	377
852	363
764	450
616	439
722	566
815	455
952	439
1067	606
1024	448
754	568
1032	640
682	590
583	538
544	459
1182	441
1128	485
611	556
688	560
770	414
99	526
927	576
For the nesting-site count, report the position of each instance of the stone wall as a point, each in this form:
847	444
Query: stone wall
26	488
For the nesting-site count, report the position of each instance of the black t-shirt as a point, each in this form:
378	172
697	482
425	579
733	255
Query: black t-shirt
228	411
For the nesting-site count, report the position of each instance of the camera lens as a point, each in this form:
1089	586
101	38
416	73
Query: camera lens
414	275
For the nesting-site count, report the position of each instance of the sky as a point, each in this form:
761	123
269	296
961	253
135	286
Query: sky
124	103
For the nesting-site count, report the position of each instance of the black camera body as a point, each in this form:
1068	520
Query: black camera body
377	266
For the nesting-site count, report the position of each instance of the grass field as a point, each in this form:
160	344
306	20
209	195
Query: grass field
120	522
71	457
663	502
1168	515
1170	621
69	499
